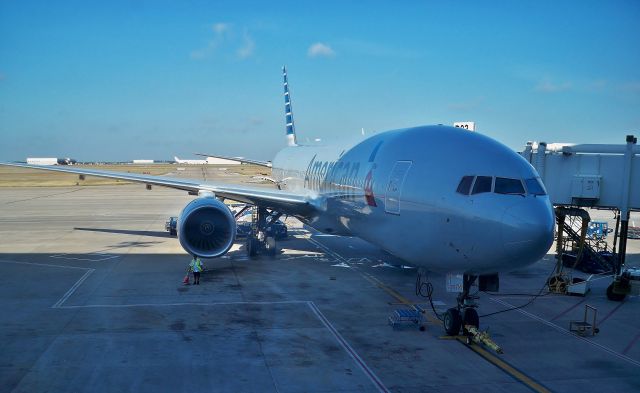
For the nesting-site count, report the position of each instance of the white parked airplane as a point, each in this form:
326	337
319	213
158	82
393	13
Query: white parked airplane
189	162
441	198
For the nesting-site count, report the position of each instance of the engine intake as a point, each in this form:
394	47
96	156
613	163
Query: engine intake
206	228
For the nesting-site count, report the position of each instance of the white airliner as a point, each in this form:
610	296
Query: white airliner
441	198
189	162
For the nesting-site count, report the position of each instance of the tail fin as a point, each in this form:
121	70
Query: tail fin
291	129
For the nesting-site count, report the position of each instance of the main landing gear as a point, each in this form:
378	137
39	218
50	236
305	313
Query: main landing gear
465	313
262	238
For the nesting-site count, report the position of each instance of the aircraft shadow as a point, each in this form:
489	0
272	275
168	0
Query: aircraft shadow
126	232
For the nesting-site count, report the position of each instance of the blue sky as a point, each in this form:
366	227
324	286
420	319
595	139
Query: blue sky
153	79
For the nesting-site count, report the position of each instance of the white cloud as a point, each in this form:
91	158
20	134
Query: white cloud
320	50
247	48
546	86
224	41
220	30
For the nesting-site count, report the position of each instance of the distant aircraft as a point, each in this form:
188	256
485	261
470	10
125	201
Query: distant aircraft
189	162
239	159
441	198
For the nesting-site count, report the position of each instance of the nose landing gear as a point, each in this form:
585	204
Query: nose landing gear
465	314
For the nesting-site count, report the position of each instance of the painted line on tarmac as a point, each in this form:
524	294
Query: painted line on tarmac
42	264
373	280
101	258
205	304
610	313
327	250
71	290
569	309
425	304
631	344
509	369
393	293
567	333
314	309
43	196
345	345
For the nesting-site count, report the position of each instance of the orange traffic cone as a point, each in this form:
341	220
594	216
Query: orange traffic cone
185	281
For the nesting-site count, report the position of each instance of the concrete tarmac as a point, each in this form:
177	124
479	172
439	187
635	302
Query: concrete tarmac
92	300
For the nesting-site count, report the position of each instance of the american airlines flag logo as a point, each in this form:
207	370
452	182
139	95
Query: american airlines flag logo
368	189
287	104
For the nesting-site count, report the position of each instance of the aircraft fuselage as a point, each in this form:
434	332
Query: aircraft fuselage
398	190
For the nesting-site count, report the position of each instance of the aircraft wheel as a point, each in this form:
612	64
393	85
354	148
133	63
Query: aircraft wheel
270	244
452	322
470	317
252	246
616	297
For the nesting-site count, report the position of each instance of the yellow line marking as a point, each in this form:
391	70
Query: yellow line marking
397	296
496	361
371	279
491	358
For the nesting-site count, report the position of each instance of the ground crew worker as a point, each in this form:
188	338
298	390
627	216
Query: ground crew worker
195	266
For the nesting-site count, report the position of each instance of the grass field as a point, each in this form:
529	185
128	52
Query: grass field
23	177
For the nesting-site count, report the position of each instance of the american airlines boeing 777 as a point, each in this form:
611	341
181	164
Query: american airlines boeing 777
480	207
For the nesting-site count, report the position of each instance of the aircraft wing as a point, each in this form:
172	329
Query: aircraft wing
246	160
283	201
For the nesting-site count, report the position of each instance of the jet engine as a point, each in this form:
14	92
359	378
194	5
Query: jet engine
206	228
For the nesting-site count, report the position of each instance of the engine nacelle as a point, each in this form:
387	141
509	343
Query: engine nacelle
206	228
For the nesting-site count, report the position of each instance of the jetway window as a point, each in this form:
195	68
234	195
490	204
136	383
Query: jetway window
465	185
482	184
508	186
535	186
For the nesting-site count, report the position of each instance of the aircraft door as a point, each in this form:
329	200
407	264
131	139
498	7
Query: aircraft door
394	186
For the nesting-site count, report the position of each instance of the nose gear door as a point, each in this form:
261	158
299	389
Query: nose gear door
394	186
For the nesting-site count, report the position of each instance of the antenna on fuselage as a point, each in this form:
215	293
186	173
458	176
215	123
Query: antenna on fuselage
291	129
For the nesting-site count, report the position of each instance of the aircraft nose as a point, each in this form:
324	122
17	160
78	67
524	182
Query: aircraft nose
528	230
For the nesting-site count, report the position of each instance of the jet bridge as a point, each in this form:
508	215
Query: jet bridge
590	175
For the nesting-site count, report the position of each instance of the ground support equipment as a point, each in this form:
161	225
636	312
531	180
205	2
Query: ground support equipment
403	317
584	328
482	338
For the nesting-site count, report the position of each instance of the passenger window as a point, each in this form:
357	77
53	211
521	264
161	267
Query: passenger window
508	186
535	186
465	185
482	184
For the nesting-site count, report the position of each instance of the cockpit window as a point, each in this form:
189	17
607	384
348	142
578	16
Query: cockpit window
535	186
508	186
465	185
482	184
